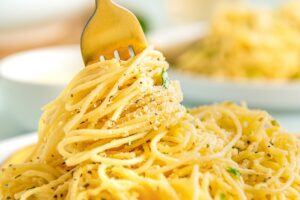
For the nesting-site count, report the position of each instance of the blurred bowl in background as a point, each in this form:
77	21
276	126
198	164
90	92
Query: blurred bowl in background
33	78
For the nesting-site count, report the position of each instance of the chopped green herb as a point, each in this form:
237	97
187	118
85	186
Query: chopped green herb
109	166
274	122
233	171
252	73
222	196
165	79
211	53
144	22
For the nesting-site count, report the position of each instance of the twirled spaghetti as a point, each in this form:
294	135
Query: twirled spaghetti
118	131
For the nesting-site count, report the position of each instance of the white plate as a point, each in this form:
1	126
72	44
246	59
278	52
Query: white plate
9	146
279	96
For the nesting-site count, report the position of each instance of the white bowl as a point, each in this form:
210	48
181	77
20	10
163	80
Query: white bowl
31	79
275	96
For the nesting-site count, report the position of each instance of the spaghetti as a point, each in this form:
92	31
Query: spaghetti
246	43
118	131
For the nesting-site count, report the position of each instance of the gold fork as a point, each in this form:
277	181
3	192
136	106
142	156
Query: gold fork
112	32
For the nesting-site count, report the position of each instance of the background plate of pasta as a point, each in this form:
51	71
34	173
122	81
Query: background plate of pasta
241	54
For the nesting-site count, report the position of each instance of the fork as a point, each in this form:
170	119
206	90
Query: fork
111	32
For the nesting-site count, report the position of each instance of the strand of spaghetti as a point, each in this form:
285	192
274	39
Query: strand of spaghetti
147	181
189	135
134	85
82	77
25	195
132	88
104	134
34	173
199	158
111	184
195	176
61	189
236	185
73	186
46	131
21	168
156	153
284	186
205	184
135	120
231	143
112	107
119	82
168	187
99	91
117	113
50	145
83	156
112	161
145	166
104	78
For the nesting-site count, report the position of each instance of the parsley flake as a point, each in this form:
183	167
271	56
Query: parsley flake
233	171
222	196
275	123
165	79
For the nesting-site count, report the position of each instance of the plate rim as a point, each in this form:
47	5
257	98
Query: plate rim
9	145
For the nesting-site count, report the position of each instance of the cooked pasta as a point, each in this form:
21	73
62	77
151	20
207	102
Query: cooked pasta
119	131
245	43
